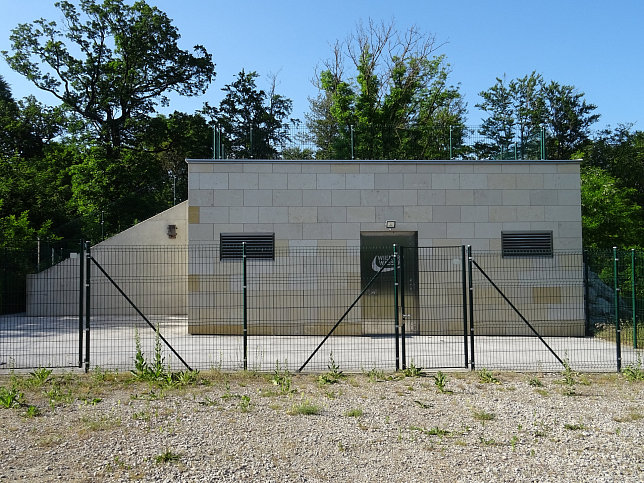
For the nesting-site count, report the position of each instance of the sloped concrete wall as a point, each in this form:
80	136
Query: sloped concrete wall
149	265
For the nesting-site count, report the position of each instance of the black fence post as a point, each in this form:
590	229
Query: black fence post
469	270
464	285
618	341
588	328
81	287
245	286
633	298
396	320
88	257
402	308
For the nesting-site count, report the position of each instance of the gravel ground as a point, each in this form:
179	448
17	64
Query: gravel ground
364	427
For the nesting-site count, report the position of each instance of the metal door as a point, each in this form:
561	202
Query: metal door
378	304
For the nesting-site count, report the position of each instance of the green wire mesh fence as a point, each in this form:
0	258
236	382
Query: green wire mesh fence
430	141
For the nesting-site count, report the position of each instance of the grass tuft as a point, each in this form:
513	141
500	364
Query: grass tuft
354	413
487	377
305	409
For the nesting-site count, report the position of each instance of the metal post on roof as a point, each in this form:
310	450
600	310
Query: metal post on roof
251	143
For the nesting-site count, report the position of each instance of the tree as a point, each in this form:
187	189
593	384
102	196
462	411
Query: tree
395	106
620	152
254	121
610	216
171	139
518	110
569	118
122	191
110	63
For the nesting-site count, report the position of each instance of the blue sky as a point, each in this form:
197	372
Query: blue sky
594	45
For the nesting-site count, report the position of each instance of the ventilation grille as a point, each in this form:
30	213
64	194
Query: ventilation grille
258	246
526	243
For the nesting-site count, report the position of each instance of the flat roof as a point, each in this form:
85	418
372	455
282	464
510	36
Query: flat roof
385	161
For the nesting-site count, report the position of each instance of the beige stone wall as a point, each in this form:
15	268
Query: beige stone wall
328	203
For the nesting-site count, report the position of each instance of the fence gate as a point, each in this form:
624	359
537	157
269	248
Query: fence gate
433	307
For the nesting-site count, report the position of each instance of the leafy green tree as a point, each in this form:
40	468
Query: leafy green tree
100	154
254	121
519	109
620	152
109	62
32	168
398	104
610	216
173	138
122	191
569	118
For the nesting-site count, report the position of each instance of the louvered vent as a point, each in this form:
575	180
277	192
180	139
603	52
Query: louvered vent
258	246
526	243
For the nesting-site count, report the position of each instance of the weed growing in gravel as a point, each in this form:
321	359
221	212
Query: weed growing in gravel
57	396
244	404
99	423
32	411
144	371
208	402
412	371
569	379
487	442
307	408
333	375
435	431
375	375
542	392
574	427
148	396
10	398
91	401
99	374
354	413
118	464
483	415
440	381
157	371
282	379
513	442
333	394
535	382
168	456
187	378
486	377
40	376
634	372
143	415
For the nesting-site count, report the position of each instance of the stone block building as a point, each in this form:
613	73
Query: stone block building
527	212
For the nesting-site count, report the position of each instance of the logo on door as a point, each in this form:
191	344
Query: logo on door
384	262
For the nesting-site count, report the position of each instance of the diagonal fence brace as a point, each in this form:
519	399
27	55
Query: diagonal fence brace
139	312
346	313
518	313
